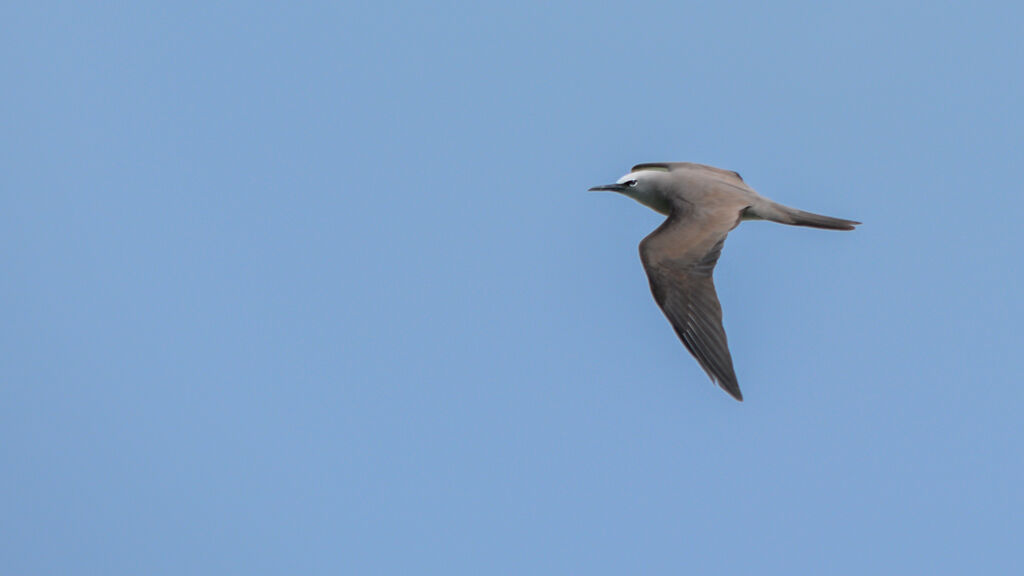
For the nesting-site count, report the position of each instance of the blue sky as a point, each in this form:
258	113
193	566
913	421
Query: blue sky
318	289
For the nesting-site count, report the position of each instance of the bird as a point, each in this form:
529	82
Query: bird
702	204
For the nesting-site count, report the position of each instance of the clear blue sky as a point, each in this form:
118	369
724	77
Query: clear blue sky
318	289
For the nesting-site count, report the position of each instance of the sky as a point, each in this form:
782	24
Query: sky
317	288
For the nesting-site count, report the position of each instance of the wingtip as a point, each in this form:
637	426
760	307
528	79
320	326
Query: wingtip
732	389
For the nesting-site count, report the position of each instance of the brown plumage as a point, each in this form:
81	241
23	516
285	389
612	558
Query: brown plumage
703	205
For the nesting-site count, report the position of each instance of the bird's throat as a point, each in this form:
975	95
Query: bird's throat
654	201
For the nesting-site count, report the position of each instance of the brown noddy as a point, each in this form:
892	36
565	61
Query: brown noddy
703	205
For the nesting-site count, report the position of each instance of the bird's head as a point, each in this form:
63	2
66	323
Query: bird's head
643	185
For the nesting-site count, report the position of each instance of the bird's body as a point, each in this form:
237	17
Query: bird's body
703	205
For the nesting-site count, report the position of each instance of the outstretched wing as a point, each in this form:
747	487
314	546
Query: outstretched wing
679	258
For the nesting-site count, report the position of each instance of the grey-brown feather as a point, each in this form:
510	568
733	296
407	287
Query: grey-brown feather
703	204
670	166
785	215
684	289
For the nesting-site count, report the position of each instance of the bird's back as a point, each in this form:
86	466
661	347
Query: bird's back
710	189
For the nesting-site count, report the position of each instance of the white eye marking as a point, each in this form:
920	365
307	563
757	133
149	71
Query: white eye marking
627	178
631	183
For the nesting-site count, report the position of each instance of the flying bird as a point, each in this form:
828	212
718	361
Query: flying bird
703	205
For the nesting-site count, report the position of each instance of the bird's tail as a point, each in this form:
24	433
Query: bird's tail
785	215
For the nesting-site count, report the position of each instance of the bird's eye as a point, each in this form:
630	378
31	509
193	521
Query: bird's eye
631	183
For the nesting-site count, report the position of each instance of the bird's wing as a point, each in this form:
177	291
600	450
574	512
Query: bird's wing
679	258
703	168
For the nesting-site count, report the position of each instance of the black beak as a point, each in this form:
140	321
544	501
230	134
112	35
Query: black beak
609	188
